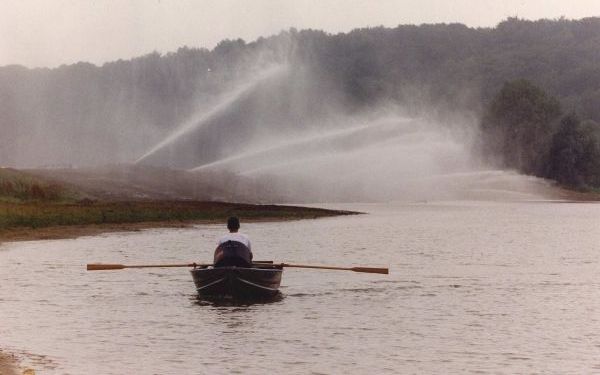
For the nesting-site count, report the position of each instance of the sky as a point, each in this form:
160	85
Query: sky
48	33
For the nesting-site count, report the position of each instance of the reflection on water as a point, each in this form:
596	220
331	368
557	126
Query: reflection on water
474	287
235	302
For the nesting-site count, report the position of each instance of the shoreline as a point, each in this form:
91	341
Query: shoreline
57	232
252	214
8	364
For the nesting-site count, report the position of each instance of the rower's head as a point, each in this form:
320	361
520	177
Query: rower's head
233	224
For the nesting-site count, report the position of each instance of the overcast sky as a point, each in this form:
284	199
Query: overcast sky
38	33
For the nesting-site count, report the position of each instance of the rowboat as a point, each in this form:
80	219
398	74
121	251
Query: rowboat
233	273
258	281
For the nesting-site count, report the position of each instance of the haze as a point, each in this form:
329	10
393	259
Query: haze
299	115
50	33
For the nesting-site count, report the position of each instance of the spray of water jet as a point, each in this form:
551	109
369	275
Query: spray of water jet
200	119
283	136
329	141
381	159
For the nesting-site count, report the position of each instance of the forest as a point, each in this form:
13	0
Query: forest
535	85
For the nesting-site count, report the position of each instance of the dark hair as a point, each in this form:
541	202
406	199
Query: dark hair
233	223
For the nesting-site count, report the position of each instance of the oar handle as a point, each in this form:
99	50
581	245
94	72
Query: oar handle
384	271
101	267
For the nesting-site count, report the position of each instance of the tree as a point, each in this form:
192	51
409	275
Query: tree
575	153
519	124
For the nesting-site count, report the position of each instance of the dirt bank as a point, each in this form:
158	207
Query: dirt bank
8	364
210	213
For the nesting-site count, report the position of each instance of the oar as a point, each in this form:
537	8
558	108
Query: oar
104	267
355	269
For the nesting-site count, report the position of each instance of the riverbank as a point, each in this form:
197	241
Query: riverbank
41	221
8	364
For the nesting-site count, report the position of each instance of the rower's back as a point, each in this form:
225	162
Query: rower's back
232	253
233	249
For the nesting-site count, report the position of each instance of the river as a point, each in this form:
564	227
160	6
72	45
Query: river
475	287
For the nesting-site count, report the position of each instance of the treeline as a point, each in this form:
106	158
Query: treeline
457	65
527	129
85	114
108	113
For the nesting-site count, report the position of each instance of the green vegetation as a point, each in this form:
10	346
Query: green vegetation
17	186
574	159
519	126
44	214
523	126
28	201
449	63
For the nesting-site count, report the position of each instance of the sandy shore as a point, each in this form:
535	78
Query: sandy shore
74	231
8	364
44	220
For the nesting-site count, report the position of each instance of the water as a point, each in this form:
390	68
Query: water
200	119
329	142
475	287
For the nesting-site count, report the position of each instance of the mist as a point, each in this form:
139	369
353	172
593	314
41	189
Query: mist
272	121
270	130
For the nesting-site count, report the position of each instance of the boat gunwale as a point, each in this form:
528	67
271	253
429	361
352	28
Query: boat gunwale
273	267
258	278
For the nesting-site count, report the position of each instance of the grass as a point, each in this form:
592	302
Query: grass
38	214
17	186
29	203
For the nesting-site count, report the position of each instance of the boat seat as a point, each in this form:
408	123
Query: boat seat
232	253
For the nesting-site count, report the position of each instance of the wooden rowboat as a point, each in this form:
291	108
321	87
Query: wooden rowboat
234	274
258	281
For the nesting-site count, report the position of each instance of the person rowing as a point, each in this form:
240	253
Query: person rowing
233	248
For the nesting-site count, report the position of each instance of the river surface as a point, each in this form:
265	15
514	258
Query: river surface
475	287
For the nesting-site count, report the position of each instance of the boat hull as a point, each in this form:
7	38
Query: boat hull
237	282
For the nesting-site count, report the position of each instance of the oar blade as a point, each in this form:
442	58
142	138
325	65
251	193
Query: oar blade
384	271
103	267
